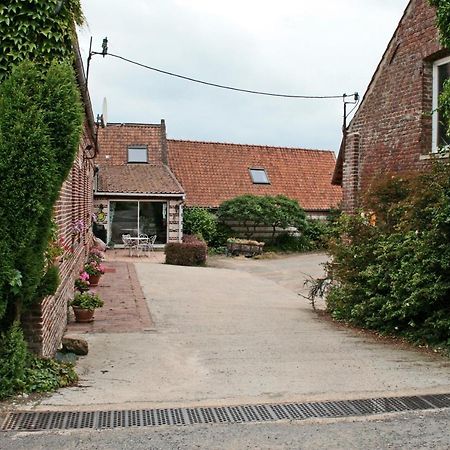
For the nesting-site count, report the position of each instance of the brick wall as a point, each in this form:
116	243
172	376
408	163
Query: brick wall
393	126
45	323
173	215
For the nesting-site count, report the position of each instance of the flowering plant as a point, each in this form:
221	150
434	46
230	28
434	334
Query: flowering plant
87	300
95	255
82	282
78	226
94	268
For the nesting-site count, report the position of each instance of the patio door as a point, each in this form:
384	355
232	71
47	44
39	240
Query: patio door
138	217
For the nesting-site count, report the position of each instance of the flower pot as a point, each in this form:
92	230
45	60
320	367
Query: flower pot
93	280
83	315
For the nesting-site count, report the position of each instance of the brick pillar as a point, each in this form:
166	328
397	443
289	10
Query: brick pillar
350	175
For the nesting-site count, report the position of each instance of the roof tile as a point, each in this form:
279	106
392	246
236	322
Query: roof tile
211	173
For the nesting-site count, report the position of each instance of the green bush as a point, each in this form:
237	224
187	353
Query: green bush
391	265
45	375
20	371
200	222
40	124
251	212
13	359
191	252
286	242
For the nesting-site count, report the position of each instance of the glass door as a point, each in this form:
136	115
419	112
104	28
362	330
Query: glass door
123	219
135	217
153	220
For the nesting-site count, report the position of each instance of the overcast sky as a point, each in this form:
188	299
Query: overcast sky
300	47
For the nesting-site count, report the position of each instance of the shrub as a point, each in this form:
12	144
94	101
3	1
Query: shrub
191	252
13	358
391	265
286	242
252	211
200	222
44	375
37	149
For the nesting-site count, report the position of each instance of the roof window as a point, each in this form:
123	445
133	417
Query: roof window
137	154
259	176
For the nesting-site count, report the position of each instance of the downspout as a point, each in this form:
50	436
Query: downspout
180	222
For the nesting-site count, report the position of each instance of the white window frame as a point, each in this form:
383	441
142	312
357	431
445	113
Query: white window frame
435	116
137	147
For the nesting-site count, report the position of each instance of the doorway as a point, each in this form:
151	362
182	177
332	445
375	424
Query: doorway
137	217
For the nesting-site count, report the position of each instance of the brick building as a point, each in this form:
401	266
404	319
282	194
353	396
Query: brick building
135	190
45	323
397	128
212	172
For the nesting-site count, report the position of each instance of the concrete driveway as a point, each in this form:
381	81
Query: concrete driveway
239	333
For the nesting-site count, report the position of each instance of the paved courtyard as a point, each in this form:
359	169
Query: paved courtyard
235	335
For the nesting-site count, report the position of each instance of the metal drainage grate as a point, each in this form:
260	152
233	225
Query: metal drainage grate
39	421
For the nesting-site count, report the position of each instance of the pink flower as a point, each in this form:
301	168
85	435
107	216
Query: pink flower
84	276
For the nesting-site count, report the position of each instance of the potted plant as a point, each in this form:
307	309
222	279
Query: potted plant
82	283
84	304
95	270
95	255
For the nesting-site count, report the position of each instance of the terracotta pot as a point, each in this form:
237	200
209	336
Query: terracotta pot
93	280
83	315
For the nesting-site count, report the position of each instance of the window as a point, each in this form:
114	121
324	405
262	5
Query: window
259	176
137	154
441	73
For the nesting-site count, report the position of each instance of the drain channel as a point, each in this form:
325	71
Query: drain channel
40	421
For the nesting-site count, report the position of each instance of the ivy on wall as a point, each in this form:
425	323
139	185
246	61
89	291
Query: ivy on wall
443	19
36	30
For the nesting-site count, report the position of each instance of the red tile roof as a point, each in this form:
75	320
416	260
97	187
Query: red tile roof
137	179
211	173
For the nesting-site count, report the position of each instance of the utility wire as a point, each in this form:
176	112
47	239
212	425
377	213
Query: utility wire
221	86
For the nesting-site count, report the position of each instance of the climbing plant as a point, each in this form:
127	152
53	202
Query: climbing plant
443	23
443	20
36	30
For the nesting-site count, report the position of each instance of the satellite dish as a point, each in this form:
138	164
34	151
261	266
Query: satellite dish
104	113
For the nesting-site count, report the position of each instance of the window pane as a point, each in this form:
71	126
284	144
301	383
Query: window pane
443	75
259	176
124	220
137	154
152	220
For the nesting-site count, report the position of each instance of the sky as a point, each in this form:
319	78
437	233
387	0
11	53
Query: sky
299	47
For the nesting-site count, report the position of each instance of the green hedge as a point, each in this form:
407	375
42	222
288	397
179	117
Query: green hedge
391	263
190	252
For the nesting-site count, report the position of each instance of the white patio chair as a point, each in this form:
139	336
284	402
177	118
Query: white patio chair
142	243
148	244
129	243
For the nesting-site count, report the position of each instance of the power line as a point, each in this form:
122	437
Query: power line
221	86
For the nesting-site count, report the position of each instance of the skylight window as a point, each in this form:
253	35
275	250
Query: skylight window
259	176
137	154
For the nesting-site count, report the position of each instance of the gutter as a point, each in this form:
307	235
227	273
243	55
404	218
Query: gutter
138	194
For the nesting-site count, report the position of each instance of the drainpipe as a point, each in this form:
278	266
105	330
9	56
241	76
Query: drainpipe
180	222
